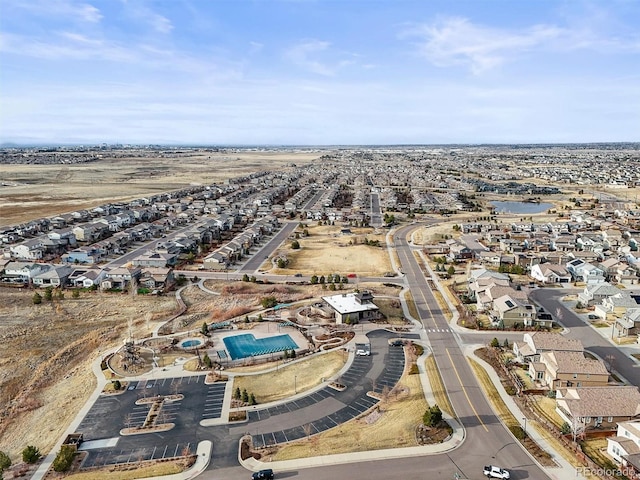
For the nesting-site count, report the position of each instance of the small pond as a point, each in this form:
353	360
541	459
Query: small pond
521	207
190	343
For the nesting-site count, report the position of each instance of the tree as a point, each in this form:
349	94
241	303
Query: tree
245	278
76	293
506	343
64	458
295	245
268	302
432	417
116	384
495	343
36	299
48	294
281	263
252	399
332	286
321	280
207	361
314	279
31	454
451	270
5	461
245	395
237	395
205	329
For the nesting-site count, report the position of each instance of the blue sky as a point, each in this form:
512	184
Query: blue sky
319	72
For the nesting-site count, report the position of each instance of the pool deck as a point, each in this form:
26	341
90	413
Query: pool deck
259	331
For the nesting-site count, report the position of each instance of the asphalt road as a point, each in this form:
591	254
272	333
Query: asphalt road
593	341
488	441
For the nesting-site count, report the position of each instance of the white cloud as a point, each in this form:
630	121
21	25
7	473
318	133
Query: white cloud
457	41
303	53
79	11
137	10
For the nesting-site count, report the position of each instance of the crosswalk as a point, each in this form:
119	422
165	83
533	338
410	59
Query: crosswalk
438	330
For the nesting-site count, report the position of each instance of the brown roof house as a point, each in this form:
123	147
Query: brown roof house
588	408
624	448
568	369
535	343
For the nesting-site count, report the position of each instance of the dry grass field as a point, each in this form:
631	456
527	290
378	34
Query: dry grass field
394	426
46	353
291	378
36	191
326	251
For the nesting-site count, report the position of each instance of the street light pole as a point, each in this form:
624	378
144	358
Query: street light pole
295	384
525	426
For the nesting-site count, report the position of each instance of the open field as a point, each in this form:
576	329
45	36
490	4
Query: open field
46	353
37	191
325	251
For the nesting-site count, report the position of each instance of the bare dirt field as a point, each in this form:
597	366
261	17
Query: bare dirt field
36	191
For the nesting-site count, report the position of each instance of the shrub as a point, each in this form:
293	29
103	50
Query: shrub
5	461
269	302
432	417
565	428
64	458
36	299
517	431
76	294
495	343
295	245
414	369
31	454
116	385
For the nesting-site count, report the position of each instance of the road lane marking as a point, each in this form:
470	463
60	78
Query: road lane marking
464	390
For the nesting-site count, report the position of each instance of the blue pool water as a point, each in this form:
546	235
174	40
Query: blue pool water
191	343
246	345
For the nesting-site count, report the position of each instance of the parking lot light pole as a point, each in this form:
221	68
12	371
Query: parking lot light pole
295	384
525	426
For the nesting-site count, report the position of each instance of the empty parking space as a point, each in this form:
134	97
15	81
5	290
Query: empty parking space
213	401
122	456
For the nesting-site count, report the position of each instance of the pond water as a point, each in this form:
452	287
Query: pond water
521	207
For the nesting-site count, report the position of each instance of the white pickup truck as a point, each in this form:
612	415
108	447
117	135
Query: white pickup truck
491	471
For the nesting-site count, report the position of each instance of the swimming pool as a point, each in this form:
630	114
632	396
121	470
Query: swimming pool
246	345
190	343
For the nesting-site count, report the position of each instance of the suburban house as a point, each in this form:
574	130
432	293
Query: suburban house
509	310
54	276
217	260
535	343
568	369
353	307
22	271
598	407
120	277
583	271
615	305
156	278
88	254
550	273
155	259
32	249
86	277
629	323
624	448
595	293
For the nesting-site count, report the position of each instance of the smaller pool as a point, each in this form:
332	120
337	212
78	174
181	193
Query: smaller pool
190	343
246	345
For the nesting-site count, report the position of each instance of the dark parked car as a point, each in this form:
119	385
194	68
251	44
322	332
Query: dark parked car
263	475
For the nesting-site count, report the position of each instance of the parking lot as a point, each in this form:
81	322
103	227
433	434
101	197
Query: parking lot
111	413
354	400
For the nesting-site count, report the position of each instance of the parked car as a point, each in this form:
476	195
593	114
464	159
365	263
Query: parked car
361	352
491	471
266	474
593	317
